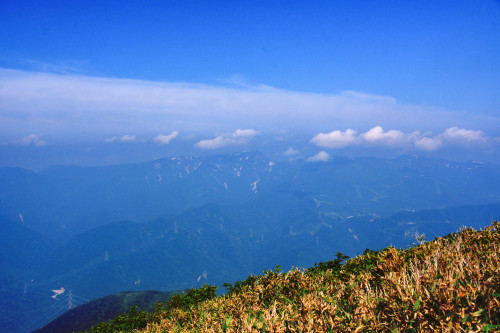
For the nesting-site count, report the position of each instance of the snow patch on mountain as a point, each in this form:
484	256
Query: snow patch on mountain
254	185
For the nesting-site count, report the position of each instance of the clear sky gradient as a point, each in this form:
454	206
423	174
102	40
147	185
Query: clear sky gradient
195	71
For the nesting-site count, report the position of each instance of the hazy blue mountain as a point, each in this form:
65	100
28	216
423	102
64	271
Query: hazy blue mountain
68	200
215	244
371	185
21	249
229	258
63	201
177	223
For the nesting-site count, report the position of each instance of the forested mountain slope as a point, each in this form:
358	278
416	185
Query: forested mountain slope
448	284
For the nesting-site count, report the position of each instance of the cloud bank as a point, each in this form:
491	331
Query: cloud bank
291	152
68	108
335	139
377	136
29	140
165	139
396	138
124	138
238	137
66	105
322	156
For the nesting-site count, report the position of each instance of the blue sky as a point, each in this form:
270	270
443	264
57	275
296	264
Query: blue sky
194	77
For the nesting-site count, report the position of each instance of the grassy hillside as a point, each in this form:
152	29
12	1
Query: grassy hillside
448	284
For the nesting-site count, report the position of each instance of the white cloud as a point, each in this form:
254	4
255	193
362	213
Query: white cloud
451	136
33	139
28	140
291	152
370	97
322	156
238	137
335	139
127	138
376	135
429	144
124	138
165	139
463	135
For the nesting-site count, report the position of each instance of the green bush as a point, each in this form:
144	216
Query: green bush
192	297
125	322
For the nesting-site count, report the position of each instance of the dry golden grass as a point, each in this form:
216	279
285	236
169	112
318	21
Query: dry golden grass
450	284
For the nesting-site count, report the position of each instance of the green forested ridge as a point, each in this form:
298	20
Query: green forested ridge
102	309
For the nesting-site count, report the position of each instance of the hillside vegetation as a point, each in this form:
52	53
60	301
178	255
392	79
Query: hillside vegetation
448	284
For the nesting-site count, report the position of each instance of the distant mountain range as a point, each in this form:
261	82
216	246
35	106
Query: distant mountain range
177	223
64	201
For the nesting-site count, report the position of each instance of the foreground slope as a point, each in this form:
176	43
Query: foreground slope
451	283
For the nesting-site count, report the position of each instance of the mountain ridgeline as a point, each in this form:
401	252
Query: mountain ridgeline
179	223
